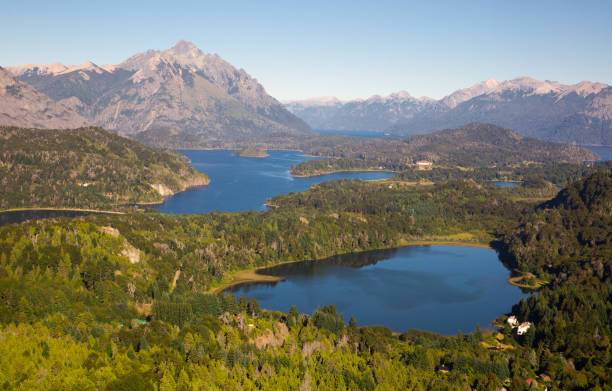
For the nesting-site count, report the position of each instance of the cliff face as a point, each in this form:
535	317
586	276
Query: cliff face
181	95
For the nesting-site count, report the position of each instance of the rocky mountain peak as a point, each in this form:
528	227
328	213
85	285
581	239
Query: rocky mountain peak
51	69
401	95
181	89
465	94
183	46
525	83
21	105
5	77
585	88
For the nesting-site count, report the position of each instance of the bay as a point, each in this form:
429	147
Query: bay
243	183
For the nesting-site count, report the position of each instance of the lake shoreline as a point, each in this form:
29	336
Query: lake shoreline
165	198
240	184
60	209
330	172
89	210
252	275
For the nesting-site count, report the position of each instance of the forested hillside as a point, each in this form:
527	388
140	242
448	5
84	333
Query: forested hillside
568	241
86	168
473	145
121	302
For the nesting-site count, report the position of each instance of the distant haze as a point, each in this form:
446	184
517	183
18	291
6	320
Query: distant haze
580	113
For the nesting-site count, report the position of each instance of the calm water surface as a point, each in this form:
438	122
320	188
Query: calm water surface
505	184
441	289
242	183
604	152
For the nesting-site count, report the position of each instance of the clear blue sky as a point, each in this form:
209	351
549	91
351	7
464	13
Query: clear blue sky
350	49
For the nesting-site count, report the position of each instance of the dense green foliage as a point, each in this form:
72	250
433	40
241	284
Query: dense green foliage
482	145
326	166
569	240
120	301
87	167
558	173
251	152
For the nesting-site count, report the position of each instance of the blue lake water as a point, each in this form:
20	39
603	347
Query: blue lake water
505	184
605	152
441	289
243	183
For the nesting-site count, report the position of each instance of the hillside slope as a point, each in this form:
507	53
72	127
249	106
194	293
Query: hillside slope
571	233
475	144
86	167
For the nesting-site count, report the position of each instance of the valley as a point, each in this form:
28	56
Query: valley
167	224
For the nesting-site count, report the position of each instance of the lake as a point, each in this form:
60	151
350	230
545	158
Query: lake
605	152
441	289
242	183
505	184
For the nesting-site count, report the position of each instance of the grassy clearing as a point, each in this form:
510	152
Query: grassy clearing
527	280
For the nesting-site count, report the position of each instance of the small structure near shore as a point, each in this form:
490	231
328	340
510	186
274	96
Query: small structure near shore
424	164
512	321
523	328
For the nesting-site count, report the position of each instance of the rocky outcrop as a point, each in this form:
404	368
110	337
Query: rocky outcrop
21	105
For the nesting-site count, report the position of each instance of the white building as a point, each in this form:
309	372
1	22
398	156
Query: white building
523	327
512	321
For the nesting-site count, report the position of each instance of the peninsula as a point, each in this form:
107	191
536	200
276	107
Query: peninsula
251	152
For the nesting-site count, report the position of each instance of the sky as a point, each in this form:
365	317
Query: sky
348	49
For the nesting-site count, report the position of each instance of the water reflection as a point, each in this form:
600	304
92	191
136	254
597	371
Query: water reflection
436	288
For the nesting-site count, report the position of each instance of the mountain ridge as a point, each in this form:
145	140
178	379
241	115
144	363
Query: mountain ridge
181	89
22	105
549	110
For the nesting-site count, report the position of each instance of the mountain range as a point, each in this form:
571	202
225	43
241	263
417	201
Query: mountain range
548	110
185	98
21	104
179	94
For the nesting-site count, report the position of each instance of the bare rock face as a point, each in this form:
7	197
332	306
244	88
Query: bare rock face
21	105
180	94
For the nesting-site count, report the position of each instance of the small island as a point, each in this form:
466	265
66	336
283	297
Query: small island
251	152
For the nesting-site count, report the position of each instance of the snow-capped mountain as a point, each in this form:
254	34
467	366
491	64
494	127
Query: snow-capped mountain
543	109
